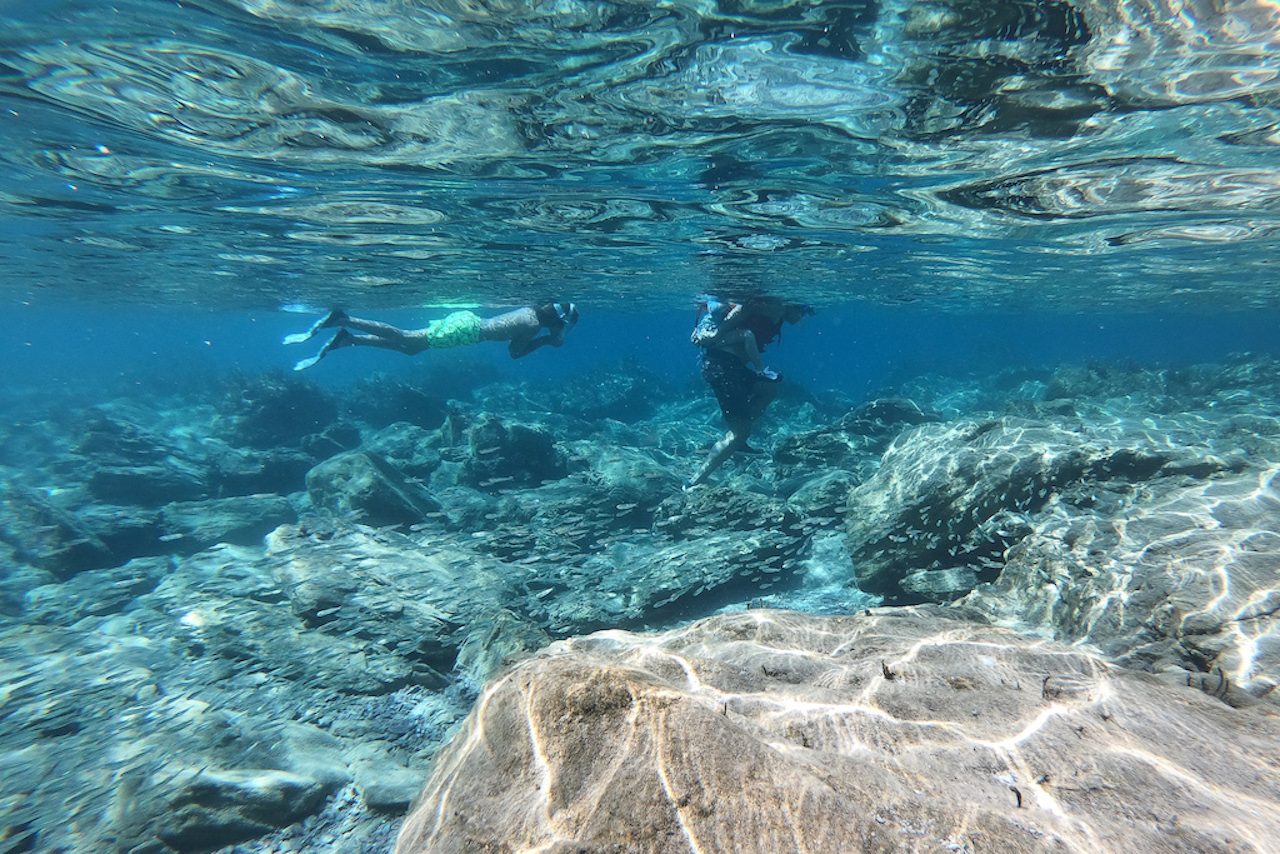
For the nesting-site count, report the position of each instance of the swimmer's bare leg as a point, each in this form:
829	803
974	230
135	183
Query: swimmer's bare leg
410	342
720	451
736	438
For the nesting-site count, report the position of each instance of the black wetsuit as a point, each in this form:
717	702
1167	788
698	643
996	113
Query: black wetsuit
732	381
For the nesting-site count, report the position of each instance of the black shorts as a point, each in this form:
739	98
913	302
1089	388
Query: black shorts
733	383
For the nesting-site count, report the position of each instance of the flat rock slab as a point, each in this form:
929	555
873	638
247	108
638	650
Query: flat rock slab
1186	581
899	730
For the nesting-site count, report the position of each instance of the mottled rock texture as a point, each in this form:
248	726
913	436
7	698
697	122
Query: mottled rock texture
897	730
1186	581
949	499
362	486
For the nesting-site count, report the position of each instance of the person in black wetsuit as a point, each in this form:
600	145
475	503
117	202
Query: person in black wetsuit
731	337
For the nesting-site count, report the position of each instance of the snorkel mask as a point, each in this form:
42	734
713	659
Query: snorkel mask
568	314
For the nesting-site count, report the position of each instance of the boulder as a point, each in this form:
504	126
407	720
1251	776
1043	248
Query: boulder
275	410
406	447
505	454
624	474
956	496
149	485
245	471
127	531
591	551
384	782
238	611
47	536
382	400
243	520
93	593
704	549
1188	581
904	729
110	435
222	807
413	607
855	441
824	499
361	486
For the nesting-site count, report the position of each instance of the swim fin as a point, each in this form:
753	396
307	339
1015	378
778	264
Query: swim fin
334	318
342	339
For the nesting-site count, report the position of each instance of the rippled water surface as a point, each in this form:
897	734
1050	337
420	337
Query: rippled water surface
391	153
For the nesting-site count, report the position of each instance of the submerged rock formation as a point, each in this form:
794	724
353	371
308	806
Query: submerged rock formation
902	729
288	694
1189	581
949	499
361	486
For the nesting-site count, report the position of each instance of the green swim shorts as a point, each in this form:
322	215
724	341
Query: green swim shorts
459	329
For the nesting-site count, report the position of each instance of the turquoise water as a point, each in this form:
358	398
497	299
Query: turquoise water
1066	212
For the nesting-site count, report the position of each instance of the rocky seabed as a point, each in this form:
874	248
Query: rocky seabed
1032	612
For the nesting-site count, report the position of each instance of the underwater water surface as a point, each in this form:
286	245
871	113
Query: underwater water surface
1020	154
243	607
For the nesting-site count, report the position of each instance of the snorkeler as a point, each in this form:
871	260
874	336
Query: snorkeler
461	328
731	337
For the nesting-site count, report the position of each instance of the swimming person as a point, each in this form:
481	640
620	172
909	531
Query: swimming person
459	329
731	338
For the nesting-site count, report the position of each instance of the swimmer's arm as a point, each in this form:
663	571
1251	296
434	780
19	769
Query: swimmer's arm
721	335
734	317
524	346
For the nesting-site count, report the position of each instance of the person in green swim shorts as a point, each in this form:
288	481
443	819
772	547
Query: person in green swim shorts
519	328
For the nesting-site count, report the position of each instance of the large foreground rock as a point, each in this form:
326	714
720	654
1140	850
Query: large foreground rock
900	730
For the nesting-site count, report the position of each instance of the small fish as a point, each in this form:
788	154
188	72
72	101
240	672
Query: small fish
169	538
